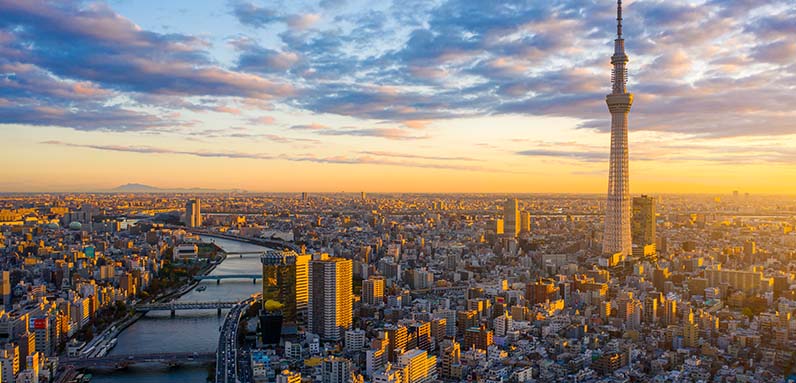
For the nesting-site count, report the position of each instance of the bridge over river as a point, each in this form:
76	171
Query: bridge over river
122	361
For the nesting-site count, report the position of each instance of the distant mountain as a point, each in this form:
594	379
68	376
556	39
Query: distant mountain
137	188
141	188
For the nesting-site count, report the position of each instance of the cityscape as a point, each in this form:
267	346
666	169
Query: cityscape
146	238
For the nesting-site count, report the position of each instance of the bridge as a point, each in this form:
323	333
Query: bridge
122	361
218	278
175	306
242	253
277	244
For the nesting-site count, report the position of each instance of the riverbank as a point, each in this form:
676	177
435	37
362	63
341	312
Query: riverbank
188	331
111	331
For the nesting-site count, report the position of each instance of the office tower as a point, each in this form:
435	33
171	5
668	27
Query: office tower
193	213
617	238
670	312
373	291
336	370
525	222
643	225
419	366
330	299
650	310
511	217
498	226
285	281
364	196
41	328
5	289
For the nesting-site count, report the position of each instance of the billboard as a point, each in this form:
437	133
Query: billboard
38	323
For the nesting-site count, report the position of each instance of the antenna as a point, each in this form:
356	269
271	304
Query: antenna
619	19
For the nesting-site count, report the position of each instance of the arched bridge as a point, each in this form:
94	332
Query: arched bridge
121	361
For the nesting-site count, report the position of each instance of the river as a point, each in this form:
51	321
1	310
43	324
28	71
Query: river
189	331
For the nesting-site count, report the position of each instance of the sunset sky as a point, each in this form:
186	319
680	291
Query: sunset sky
411	95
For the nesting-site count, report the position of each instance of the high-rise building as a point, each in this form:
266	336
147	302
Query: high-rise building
5	289
643	224
285	281
511	217
398	337
330	298
525	222
690	331
193	213
617	238
9	362
373	290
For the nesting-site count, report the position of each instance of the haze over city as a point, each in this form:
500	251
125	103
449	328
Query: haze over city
420	96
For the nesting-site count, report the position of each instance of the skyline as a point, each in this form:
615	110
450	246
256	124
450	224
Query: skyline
445	99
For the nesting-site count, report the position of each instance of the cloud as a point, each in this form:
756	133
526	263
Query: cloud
312	127
572	155
301	22
155	150
362	160
417	124
413	62
417	156
388	133
262	120
95	44
254	15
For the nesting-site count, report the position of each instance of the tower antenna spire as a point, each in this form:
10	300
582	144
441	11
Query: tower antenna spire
619	19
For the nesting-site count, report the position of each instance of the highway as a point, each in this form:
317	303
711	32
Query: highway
227	352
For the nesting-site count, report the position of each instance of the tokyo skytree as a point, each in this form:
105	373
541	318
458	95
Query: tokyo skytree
617	214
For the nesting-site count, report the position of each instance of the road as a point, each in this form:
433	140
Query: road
227	352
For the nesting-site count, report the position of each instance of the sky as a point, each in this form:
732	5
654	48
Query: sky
394	96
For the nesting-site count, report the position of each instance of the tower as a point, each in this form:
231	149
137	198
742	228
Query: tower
193	213
617	238
330	297
285	281
643	220
511	217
